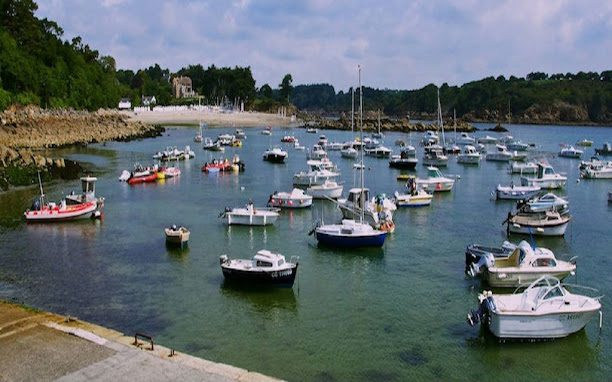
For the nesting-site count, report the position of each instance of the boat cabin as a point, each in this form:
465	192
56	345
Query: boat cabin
88	186
434	172
354	196
408	152
545	171
267	259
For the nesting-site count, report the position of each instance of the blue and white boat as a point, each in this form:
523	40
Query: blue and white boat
350	233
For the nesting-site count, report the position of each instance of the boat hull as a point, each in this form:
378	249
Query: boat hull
273	158
353	241
74	212
284	277
403	164
512	279
468	159
333	193
538	230
529	326
515	195
413	201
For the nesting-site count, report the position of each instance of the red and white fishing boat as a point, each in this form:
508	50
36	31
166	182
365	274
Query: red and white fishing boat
43	211
144	178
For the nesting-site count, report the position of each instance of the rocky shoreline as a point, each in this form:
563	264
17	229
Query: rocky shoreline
25	130
370	123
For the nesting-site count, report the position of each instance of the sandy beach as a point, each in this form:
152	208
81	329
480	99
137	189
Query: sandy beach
212	119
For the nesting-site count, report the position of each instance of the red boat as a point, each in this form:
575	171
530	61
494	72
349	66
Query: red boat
152	177
50	212
288	139
224	165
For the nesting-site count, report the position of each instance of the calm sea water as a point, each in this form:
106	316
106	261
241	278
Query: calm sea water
396	313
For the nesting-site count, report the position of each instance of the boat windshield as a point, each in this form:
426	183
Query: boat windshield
554	292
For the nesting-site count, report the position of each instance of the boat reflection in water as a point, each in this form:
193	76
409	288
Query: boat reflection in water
267	300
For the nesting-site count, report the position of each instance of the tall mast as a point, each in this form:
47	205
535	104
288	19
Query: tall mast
353	112
455	123
42	194
440	122
361	201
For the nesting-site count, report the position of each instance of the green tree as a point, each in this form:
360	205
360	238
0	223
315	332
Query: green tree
285	87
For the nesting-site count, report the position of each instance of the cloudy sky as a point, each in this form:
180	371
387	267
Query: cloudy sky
400	44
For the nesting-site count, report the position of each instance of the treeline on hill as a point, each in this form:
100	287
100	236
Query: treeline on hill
38	67
589	92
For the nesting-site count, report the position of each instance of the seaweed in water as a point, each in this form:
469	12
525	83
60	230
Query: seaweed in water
413	357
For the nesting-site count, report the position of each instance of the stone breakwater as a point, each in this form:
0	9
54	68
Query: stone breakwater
370	123
24	130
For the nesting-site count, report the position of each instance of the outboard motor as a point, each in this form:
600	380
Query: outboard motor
477	267
223	259
487	305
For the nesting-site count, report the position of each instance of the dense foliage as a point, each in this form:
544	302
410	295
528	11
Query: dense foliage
591	91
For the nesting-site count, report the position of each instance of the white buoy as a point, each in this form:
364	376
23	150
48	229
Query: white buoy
241	188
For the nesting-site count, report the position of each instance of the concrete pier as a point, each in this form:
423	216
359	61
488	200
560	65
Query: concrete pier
40	346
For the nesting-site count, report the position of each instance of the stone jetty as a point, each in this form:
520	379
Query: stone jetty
41	346
387	123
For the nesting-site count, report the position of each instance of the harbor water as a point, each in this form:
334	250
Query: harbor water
395	313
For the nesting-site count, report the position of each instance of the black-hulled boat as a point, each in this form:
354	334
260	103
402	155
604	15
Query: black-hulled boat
405	160
265	268
275	155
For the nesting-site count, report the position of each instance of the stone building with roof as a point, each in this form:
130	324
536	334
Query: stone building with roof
182	87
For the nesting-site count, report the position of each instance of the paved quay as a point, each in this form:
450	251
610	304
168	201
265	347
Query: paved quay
41	346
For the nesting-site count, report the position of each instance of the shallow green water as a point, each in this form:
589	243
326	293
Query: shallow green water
391	314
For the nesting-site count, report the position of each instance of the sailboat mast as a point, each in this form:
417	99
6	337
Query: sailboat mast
361	201
440	122
42	194
353	112
455	123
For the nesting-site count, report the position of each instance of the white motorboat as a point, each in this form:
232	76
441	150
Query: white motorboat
177	235
328	190
413	197
501	155
546	202
294	199
523	168
226	139
334	146
348	151
322	140
313	177
435	181
250	215
465	139
316	175
601	170
434	156
524	265
379	151
267	131
549	223
517	146
240	134
266	267
452	148
487	140
570	152
474	253
545	178
469	155
430	138
317	152
275	155
543	310
311	130
514	192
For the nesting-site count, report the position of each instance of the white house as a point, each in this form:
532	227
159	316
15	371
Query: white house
125	104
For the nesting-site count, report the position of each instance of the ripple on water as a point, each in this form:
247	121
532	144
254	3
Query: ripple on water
413	356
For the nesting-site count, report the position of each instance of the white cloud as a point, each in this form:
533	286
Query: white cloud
401	44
